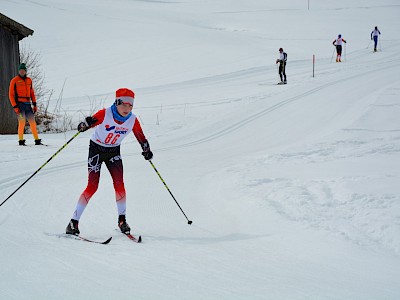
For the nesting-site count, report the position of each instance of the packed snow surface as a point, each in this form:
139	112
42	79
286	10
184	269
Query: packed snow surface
293	189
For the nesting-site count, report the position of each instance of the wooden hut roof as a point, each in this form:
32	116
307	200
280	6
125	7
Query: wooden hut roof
15	27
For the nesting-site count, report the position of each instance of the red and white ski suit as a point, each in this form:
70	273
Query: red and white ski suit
105	147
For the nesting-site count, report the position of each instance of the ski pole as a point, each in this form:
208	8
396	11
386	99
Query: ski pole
41	167
333	53
162	180
369	44
277	68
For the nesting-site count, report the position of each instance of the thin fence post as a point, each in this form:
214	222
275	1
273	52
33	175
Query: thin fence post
313	65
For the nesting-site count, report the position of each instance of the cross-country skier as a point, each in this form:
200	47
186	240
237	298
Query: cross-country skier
21	94
282	65
112	124
338	44
374	35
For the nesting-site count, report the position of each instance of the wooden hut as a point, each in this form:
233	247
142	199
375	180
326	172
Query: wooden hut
11	32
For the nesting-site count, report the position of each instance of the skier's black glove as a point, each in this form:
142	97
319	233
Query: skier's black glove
89	121
147	154
82	126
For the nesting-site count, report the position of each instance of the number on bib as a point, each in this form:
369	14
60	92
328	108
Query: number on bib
111	137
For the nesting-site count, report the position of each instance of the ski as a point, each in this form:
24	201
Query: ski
32	146
131	236
92	241
81	238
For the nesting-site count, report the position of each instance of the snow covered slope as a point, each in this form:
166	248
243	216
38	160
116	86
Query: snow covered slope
293	190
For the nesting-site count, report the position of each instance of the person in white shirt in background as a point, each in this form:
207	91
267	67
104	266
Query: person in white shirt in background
282	66
374	35
338	44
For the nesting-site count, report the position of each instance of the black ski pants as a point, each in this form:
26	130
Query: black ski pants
282	70
339	50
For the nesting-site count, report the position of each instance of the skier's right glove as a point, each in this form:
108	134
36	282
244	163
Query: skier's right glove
82	127
89	121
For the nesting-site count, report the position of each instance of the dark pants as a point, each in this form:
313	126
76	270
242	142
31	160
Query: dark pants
282	70
26	110
111	156
339	50
375	41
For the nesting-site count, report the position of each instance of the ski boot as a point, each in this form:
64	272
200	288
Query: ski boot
38	142
123	226
72	227
21	142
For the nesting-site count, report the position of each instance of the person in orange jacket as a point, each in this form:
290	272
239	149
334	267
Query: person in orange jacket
21	94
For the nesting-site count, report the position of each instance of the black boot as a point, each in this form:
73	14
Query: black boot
38	142
72	227
21	142
123	225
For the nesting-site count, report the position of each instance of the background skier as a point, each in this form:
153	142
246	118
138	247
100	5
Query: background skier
20	94
282	65
112	124
374	35
338	44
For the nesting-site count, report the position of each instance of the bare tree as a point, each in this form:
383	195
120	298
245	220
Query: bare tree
58	120
32	59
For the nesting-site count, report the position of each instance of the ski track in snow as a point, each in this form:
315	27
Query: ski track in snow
388	64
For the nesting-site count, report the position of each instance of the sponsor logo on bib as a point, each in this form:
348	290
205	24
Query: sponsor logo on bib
109	128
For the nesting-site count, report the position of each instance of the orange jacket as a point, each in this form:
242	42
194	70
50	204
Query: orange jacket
21	90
